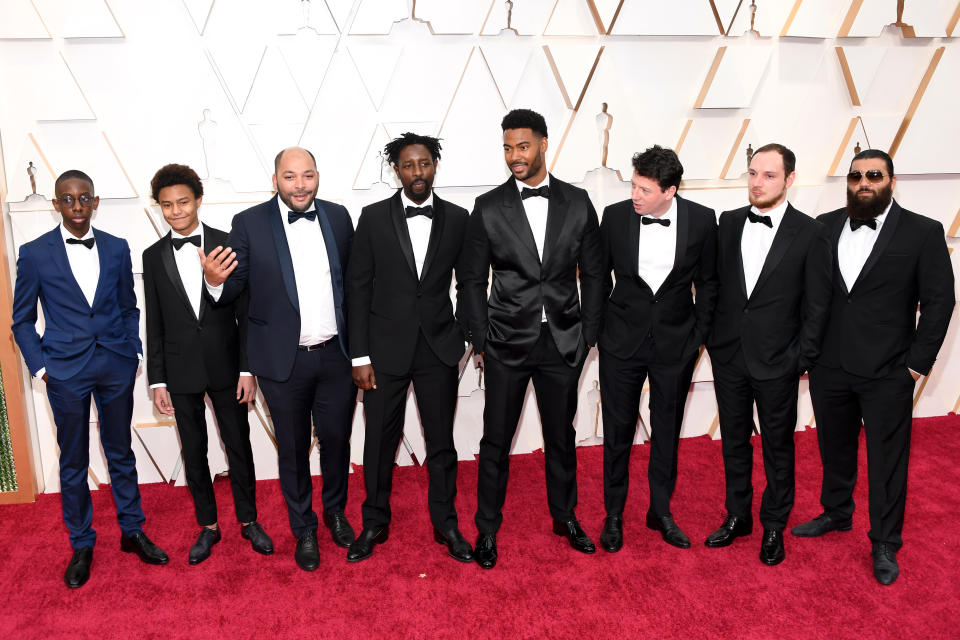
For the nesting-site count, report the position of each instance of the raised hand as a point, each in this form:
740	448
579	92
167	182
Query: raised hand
217	265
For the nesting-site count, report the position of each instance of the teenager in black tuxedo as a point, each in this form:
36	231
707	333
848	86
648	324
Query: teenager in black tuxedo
887	262
774	268
402	330
536	232
657	244
196	349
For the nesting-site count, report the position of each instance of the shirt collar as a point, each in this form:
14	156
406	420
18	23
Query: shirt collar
407	202
522	185
67	235
284	209
196	232
671	213
776	214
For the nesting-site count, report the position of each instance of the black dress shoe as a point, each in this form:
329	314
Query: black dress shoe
671	533
141	545
200	550
457	546
307	554
820	525
340	529
885	567
258	538
78	571
771	549
733	527
579	540
362	547
612	537
485	551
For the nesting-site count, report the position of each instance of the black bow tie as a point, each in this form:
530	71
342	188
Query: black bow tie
854	224
761	219
88	243
426	211
652	220
179	242
543	192
293	216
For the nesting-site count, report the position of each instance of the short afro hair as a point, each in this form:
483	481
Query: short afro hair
72	174
660	165
525	119
395	146
174	174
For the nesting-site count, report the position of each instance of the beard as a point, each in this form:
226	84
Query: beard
870	208
418	197
764	203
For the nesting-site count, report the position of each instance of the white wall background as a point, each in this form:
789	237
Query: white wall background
118	88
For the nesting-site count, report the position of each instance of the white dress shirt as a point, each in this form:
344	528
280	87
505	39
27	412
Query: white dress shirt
756	241
658	246
854	248
536	210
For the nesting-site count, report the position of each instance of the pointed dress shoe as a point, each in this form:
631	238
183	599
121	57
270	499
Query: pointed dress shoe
671	533
141	545
885	567
78	571
307	553
341	531
258	538
485	551
732	528
200	550
820	525
612	537
457	546
771	549
362	547
579	540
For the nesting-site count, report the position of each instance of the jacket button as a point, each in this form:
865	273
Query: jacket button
746	311
91	315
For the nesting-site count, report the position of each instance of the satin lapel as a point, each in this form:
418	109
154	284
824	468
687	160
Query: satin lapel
633	236
170	267
102	250
883	239
399	220
835	240
556	208
436	232
58	252
333	254
516	216
283	253
781	242
737	240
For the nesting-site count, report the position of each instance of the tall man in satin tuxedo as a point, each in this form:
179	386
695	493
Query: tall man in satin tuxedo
658	245
774	269
402	330
290	254
90	346
887	261
536	232
196	349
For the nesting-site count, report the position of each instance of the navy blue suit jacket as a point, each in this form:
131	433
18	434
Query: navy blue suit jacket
73	328
265	269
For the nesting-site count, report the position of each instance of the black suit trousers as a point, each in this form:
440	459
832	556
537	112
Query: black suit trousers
776	401
555	385
884	406
320	386
621	383
435	385
235	433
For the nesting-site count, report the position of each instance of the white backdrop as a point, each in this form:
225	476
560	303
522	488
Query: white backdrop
118	88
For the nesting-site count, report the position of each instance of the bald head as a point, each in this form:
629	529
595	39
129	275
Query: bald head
290	152
296	179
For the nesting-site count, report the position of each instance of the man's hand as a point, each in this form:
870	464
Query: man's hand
46	377
478	361
217	265
246	389
161	400
916	376
364	377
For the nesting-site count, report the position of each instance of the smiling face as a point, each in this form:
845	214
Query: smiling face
416	169
767	183
179	207
296	179
76	202
524	152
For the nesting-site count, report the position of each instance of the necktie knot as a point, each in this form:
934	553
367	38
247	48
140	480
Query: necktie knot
426	211
179	242
856	224
293	216
88	242
542	191
761	219
652	220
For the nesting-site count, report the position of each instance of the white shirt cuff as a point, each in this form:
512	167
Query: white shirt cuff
39	374
214	291
159	385
246	374
359	362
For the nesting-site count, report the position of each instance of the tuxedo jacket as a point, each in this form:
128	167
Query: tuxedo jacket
780	325
190	354
873	326
73	328
507	325
265	270
677	323
389	303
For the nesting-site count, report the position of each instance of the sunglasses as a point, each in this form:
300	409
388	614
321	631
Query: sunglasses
873	175
68	201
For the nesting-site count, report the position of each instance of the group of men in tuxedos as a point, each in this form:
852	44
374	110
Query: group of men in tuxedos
295	301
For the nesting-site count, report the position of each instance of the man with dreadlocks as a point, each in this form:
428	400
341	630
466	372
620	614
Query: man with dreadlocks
403	329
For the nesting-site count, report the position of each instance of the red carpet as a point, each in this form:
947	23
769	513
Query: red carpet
409	588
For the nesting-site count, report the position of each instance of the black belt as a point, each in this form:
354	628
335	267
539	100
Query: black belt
314	347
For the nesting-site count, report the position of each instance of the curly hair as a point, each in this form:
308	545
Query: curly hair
525	119
174	174
393	148
659	164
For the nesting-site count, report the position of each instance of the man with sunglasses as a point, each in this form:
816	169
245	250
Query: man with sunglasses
887	261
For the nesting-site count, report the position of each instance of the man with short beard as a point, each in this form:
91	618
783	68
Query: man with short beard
888	260
774	269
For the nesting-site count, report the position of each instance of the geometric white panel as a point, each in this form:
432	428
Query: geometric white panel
930	17
507	59
447	17
571	18
873	16
677	17
79	18
816	18
81	145
528	17
741	69
199	11
375	63
864	62
20	21
375	17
